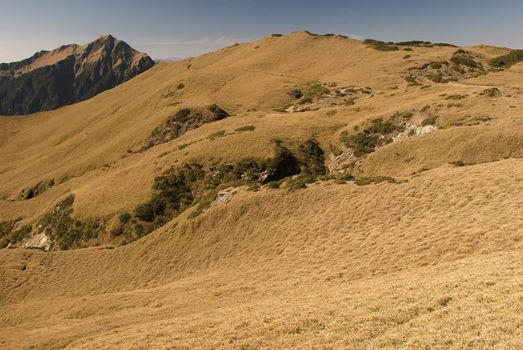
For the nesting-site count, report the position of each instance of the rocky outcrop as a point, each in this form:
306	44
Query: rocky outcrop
69	74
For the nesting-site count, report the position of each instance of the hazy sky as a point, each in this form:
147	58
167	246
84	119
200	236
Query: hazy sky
179	28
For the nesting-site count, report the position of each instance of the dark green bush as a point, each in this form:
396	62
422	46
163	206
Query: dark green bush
508	60
36	190
314	90
64	230
492	92
274	184
300	182
245	128
458	163
284	164
216	135
464	60
429	120
380	45
217	112
150	210
311	157
295	93
363	142
456	97
125	218
436	78
374	180
182	121
366	141
411	79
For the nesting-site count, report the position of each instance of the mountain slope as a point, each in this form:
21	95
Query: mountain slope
69	74
409	239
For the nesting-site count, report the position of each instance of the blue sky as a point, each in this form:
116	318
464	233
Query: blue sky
186	28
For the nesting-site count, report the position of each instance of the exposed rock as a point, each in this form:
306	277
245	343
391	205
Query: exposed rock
224	196
69	74
39	240
414	130
340	162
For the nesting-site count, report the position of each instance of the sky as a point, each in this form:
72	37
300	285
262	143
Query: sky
178	29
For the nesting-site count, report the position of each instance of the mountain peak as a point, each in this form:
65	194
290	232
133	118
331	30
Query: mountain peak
81	70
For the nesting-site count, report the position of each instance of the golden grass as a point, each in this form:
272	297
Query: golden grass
428	263
432	262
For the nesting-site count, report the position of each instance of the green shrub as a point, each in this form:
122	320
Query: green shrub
274	184
464	60
11	236
180	86
125	218
117	231
366	141
245	128
382	127
314	90
350	101
295	93
374	180
36	190
284	164
173	187
182	121
436	78
508	60
64	230
216	134
492	92
363	143
458	163
456	97
311	157
429	120
217	112
380	45
411	79
437	65
150	210
300	182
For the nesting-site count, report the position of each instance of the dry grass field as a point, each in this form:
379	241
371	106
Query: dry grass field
431	260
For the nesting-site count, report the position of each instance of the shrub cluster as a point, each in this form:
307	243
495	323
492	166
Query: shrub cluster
182	121
36	190
245	128
66	231
9	235
381	45
508	60
366	141
313	91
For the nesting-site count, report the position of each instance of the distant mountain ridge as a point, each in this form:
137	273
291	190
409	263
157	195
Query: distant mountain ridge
69	74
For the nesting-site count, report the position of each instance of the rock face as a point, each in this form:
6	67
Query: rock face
69	74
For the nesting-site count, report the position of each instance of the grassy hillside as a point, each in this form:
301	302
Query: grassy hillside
398	227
